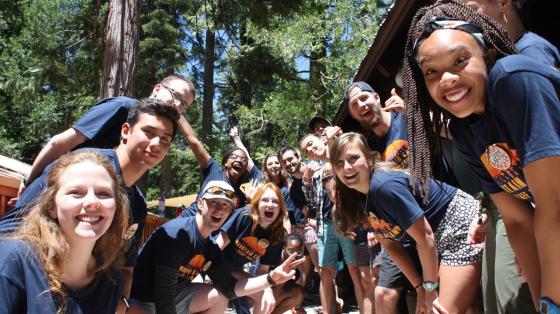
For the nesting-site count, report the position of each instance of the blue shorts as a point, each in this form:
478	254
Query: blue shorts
328	244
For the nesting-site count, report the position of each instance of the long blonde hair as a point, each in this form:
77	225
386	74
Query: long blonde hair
44	235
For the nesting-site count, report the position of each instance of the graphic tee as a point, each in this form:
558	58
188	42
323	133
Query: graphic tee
247	245
392	207
177	249
521	125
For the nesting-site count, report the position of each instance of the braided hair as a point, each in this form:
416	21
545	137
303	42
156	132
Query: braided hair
425	118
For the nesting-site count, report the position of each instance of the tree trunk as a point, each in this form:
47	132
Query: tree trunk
316	68
121	49
166	178
208	95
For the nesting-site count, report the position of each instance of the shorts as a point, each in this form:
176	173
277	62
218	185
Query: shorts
451	233
185	293
366	256
307	233
390	276
328	244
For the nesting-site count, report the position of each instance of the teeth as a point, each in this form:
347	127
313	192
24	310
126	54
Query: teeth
456	96
89	218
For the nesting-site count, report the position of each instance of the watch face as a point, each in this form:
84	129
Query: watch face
429	286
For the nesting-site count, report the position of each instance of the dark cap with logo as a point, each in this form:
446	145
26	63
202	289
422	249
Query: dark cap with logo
363	86
317	119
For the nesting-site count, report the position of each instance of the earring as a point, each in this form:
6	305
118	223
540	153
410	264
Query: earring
504	17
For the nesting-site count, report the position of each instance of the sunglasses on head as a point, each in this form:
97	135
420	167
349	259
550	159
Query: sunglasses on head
216	190
436	23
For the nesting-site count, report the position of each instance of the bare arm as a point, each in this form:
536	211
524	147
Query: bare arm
200	153
233	132
422	233
56	147
127	284
402	260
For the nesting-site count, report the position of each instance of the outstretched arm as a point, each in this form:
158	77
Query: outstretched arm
200	153
234	133
56	147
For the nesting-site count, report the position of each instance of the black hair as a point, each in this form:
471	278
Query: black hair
423	130
154	107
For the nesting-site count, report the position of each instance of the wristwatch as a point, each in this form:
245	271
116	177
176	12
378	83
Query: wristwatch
430	285
547	306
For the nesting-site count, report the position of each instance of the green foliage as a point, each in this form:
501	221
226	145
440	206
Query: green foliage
51	57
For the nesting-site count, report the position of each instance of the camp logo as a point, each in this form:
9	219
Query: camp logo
193	267
250	247
263	243
502	163
397	153
130	232
384	229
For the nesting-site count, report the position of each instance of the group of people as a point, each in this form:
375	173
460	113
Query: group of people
388	198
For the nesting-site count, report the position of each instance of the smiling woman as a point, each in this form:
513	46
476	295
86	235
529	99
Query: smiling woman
503	112
69	244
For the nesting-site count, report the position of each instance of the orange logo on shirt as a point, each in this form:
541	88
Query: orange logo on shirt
502	163
251	247
397	153
192	268
384	229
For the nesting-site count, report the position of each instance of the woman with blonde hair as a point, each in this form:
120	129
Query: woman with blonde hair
64	258
256	232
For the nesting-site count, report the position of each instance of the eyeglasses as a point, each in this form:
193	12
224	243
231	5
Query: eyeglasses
216	190
436	23
175	95
235	156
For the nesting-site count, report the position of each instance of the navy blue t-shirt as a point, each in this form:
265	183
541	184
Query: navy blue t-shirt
538	49
393	208
137	206
295	214
246	245
101	125
393	146
213	171
179	247
521	124
24	286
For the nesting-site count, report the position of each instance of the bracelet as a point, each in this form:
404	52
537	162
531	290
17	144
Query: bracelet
126	304
269	279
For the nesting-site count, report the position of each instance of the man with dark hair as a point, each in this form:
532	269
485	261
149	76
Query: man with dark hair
100	126
144	143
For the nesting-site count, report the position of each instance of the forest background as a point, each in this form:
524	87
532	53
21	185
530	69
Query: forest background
265	66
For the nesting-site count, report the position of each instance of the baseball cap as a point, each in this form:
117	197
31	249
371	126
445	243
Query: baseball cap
316	119
363	86
216	189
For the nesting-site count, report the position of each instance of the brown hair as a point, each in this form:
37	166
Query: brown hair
276	228
44	234
266	176
350	211
422	130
